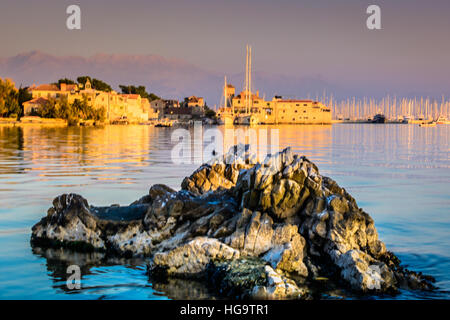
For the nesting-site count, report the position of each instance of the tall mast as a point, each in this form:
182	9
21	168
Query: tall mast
250	98
225	92
246	78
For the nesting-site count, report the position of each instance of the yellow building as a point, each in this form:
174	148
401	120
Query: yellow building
117	106
33	105
294	111
194	101
276	111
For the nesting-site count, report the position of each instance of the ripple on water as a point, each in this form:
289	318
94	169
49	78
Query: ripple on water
397	173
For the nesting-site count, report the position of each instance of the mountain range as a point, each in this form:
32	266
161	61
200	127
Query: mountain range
169	78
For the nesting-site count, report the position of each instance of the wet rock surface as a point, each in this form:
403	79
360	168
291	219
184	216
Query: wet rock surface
248	229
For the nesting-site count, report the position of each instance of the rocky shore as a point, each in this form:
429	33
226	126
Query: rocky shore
270	230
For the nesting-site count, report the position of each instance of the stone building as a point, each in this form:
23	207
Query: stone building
275	111
117	106
33	105
194	101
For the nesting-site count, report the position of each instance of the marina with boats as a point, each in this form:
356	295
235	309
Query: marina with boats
248	108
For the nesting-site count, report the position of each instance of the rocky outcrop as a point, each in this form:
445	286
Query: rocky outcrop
252	278
191	259
221	172
258	230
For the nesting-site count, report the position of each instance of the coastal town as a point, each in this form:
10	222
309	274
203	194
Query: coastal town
111	107
108	106
90	101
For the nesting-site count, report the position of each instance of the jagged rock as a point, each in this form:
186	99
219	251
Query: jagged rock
73	223
363	272
191	259
221	172
278	287
236	278
281	212
70	221
288	251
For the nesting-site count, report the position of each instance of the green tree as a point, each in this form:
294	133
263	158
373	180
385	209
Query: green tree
100	85
66	81
140	90
83	79
9	99
78	110
209	113
23	96
96	83
48	109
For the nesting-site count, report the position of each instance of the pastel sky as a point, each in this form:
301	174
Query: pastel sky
325	38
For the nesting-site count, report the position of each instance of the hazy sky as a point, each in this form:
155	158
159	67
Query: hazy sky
302	38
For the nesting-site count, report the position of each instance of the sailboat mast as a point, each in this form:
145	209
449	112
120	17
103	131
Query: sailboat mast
250	81
225	92
246	78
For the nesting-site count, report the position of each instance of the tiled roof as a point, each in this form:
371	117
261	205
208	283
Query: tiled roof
47	87
70	87
130	96
39	100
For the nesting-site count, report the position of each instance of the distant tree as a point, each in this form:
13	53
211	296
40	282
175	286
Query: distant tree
96	83
209	113
100	85
9	102
66	81
78	110
153	96
48	109
82	80
140	90
24	95
125	89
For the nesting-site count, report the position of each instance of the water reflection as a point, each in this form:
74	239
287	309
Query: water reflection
104	277
398	173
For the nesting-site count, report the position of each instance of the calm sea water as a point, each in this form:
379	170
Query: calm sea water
399	174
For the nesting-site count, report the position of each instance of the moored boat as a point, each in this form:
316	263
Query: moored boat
442	120
428	124
378	118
